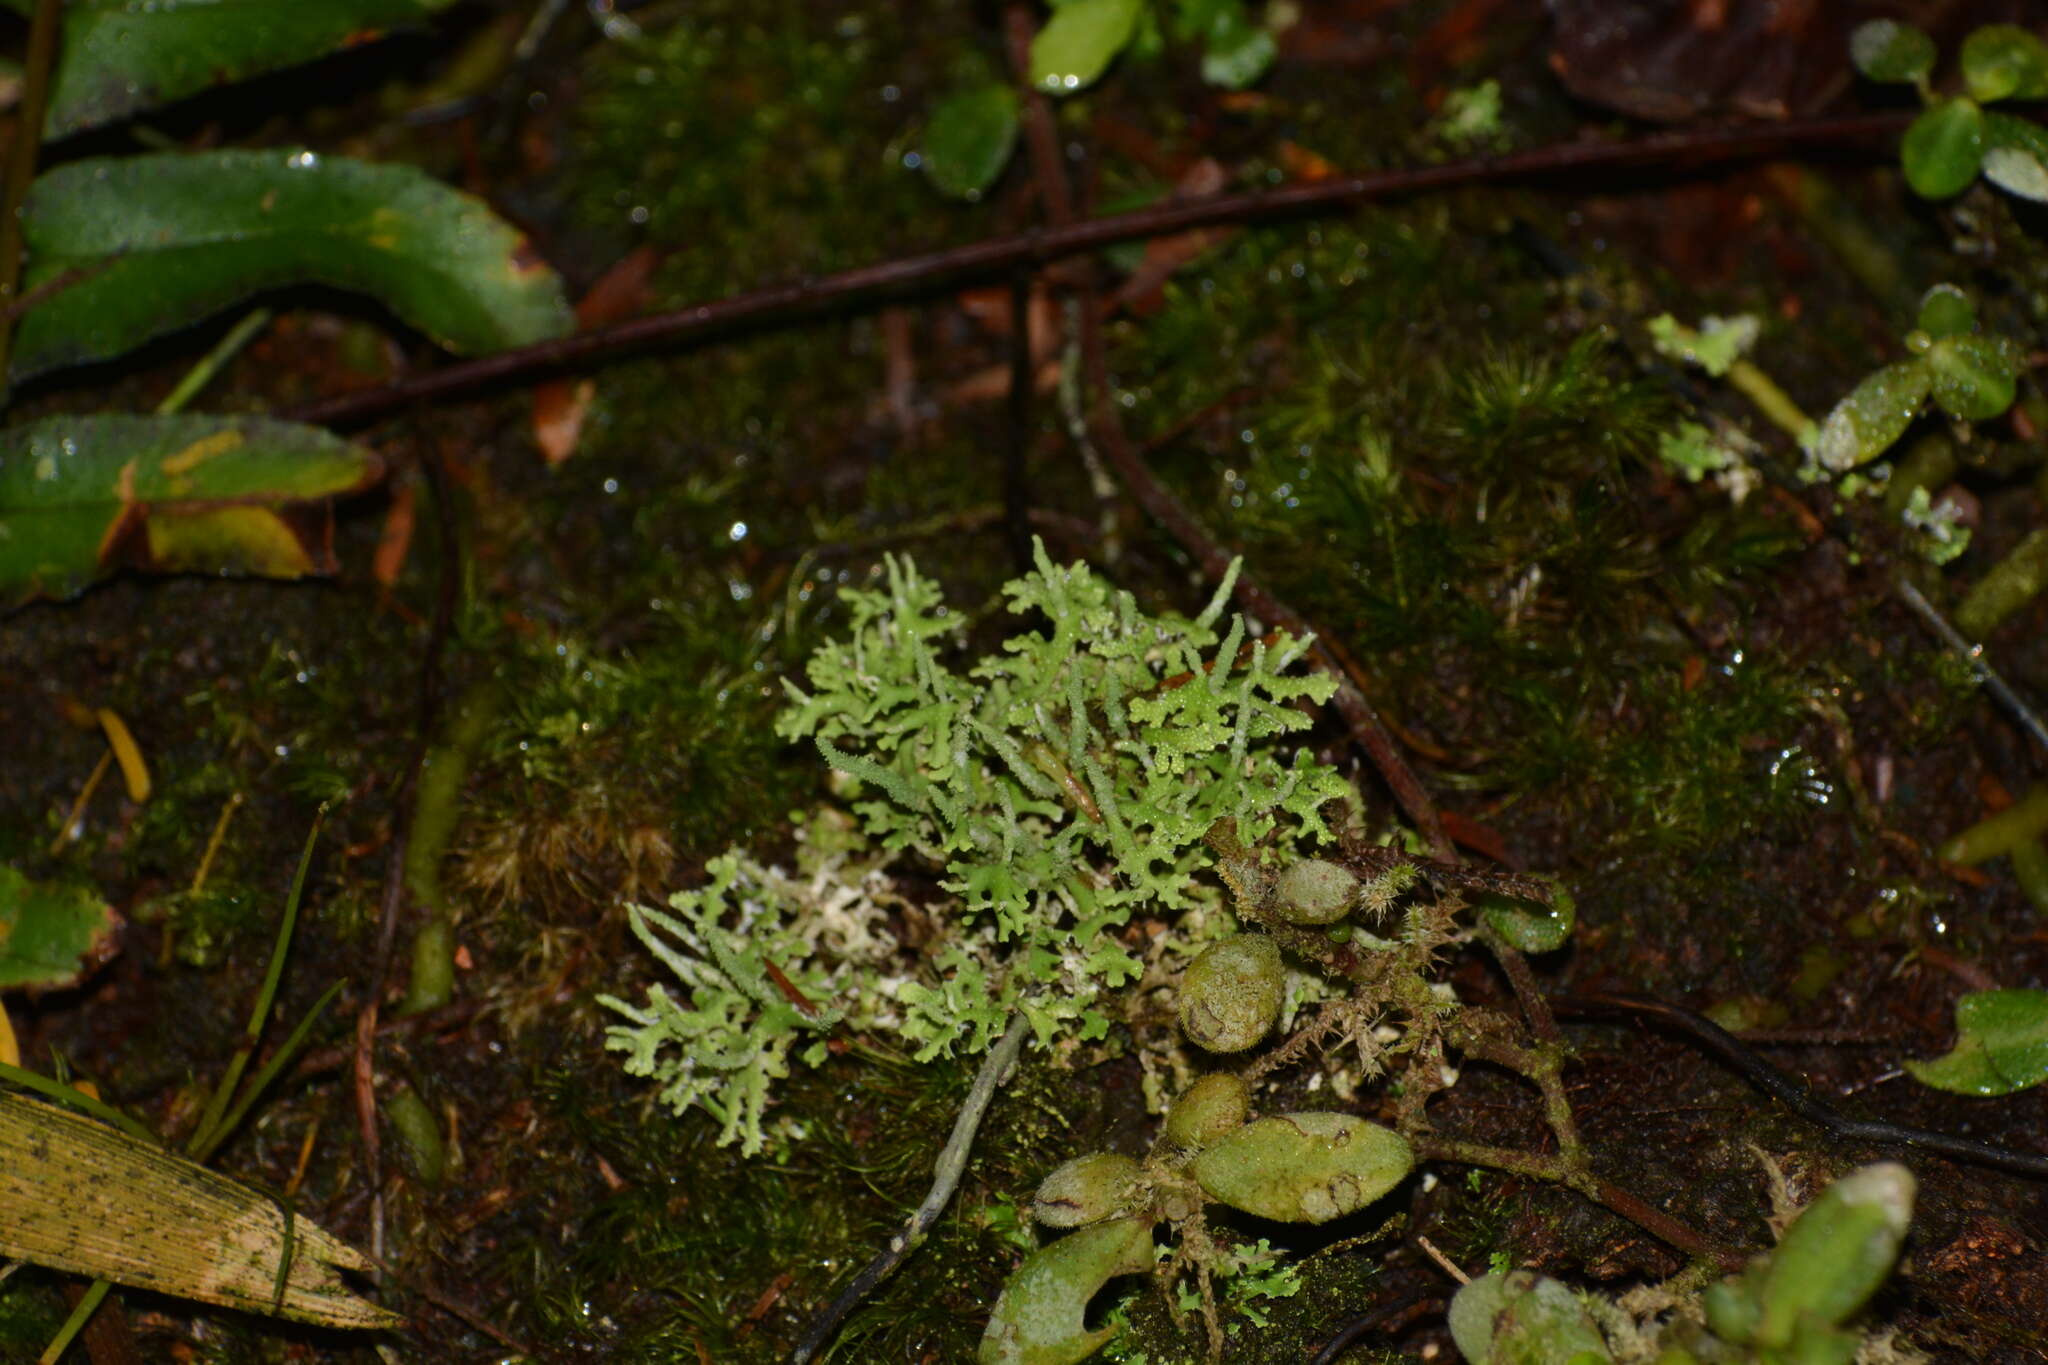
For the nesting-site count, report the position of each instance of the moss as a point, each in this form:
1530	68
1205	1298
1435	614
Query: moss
768	143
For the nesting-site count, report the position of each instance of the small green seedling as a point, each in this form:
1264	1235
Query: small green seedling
1790	1307
973	131
1970	376
1955	139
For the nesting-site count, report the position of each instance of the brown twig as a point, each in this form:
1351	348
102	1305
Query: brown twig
21	159
999	256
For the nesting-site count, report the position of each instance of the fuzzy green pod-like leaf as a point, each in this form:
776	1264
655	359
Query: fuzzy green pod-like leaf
1079	42
1837	1252
1874	415
1522	1318
1215	1105
1040	1318
1231	994
1304	1168
1086	1190
1313	891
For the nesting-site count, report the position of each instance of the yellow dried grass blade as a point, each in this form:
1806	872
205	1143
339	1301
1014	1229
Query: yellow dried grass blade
76	1195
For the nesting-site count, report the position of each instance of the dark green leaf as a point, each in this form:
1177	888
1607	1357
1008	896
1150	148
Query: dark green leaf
1973	376
162	241
2016	155
2001	1045
1235	51
2005	62
1886	50
50	932
970	139
118	56
1946	311
82	496
1079	42
1875	414
1944	148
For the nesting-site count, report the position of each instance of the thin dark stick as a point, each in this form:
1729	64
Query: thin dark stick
1348	1335
1790	1093
1023	377
946	1174
999	256
21	157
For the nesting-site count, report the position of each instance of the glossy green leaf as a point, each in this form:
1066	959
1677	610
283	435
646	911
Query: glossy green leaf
119	56
2016	155
159	242
1886	50
1235	51
1974	376
1946	311
1079	42
970	138
1530	925
2005	62
1944	148
82	496
50	932
1875	414
1836	1253
2001	1045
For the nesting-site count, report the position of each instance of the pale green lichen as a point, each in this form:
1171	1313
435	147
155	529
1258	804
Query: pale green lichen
1057	786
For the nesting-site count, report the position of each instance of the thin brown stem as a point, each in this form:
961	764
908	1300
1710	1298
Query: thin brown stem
930	272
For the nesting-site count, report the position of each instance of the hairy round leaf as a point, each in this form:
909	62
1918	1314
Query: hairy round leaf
1230	995
1304	1168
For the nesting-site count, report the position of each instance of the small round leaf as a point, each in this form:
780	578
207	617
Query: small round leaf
2005	62
1080	41
1886	50
1946	311
970	138
1944	148
2016	156
1973	376
1875	414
